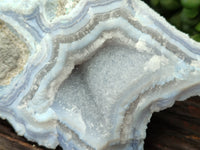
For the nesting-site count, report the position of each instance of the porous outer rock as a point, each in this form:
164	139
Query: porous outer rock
93	77
14	54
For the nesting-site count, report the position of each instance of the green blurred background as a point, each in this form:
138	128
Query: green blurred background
184	14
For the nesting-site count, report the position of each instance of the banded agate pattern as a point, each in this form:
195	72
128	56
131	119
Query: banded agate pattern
93	73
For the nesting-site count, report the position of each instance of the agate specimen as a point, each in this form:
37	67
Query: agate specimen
90	78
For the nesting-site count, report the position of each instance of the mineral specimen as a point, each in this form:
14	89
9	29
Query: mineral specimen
92	76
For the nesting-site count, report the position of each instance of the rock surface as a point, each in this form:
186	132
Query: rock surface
14	54
94	77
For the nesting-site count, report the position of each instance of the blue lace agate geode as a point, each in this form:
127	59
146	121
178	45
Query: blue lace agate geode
92	78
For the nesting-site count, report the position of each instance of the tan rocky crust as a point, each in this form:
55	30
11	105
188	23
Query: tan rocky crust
13	54
65	6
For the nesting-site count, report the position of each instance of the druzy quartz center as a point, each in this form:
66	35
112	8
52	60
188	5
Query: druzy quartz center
93	71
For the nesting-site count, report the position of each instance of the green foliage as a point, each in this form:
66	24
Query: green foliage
184	14
197	27
190	3
189	13
154	2
170	4
196	37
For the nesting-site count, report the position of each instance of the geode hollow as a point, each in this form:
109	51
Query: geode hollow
92	77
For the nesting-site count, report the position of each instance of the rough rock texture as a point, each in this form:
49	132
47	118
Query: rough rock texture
57	8
95	76
13	54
